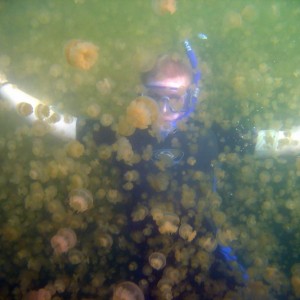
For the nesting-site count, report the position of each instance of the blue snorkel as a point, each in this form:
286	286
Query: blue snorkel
194	90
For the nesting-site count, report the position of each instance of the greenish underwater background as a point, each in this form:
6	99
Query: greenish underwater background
250	66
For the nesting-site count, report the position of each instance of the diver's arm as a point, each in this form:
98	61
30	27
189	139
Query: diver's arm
34	110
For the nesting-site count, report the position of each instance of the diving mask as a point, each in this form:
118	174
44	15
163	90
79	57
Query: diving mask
174	103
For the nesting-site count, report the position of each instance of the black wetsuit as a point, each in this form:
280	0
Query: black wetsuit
202	144
198	143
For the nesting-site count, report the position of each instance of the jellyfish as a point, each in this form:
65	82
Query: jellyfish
41	294
225	236
208	243
80	54
165	288
64	240
93	110
125	151
157	260
75	256
173	275
24	109
142	112
139	214
131	175
164	6
186	232
106	119
61	283
295	281
75	149
169	223
127	290
81	200
42	111
104	240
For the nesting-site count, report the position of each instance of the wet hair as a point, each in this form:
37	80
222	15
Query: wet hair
166	66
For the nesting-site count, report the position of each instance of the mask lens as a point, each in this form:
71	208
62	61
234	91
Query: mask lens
177	104
172	100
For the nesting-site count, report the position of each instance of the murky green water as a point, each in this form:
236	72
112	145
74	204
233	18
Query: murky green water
251	71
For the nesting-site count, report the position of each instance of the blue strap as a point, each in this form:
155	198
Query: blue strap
226	251
229	256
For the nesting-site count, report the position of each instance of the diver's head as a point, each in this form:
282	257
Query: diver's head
168	84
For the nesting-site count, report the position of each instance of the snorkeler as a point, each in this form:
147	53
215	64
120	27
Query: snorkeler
170	95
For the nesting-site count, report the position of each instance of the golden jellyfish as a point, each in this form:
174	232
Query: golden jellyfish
64	240
203	259
24	109
125	151
157	260
159	182
75	256
128	186
173	275
124	128
165	288
93	110
139	214
81	54
42	111
142	112
157	214
168	224
164	6
188	197
97	279
104	240
81	200
106	120
226	236
208	243
233	20
75	149
186	232
132	266
61	283
39	128
105	86
113	196
295	280
127	290
131	175
41	294
218	217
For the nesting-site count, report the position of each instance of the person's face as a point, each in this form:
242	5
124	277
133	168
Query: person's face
171	96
